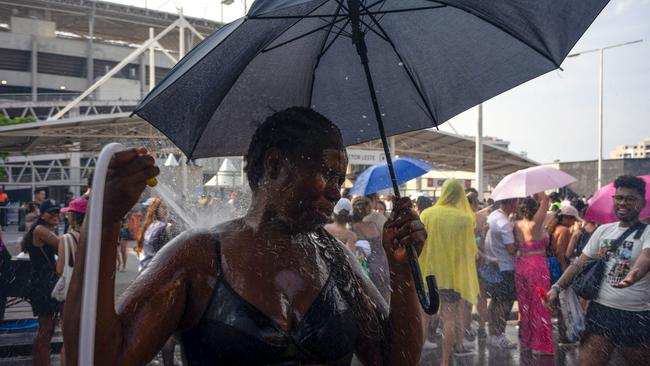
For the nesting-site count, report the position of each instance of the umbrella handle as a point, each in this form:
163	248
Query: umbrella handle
430	304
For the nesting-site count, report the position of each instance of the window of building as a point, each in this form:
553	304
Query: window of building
55	64
14	60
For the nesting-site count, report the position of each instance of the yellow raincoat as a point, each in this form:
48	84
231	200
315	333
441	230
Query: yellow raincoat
450	250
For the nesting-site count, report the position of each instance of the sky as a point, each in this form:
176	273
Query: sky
553	117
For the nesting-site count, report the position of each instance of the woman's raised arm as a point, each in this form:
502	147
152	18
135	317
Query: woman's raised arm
540	215
158	302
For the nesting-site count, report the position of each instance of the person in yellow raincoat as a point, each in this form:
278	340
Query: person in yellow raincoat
450	254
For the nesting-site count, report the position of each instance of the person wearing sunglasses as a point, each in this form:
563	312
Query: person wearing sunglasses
619	316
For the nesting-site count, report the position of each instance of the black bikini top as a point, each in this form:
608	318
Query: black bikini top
233	331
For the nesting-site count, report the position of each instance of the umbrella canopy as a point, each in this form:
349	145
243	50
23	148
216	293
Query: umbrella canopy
374	67
526	182
429	60
377	176
601	205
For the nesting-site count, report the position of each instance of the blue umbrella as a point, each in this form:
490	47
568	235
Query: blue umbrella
377	177
374	67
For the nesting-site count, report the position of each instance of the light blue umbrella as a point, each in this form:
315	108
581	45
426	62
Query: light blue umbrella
377	177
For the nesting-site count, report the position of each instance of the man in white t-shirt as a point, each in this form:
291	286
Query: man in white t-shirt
619	316
500	285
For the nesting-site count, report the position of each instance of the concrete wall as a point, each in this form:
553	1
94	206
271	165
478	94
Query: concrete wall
40	28
586	172
637	166
119	89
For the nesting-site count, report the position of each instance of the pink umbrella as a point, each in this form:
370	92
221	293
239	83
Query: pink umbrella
601	205
526	182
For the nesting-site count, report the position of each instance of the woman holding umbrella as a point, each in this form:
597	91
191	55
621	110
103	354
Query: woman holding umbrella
531	273
272	287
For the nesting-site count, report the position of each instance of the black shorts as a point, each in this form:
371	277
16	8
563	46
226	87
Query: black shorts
40	294
621	327
503	291
448	295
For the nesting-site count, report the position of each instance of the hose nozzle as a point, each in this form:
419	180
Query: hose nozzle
152	182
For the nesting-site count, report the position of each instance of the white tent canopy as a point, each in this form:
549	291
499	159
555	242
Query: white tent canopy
171	160
212	182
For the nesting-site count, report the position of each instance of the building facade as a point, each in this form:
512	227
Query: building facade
638	151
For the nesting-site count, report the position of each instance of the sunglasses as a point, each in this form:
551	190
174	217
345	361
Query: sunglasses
618	198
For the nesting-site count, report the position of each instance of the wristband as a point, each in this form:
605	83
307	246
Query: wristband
556	287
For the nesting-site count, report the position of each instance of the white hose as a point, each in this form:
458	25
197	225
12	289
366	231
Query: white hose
93	250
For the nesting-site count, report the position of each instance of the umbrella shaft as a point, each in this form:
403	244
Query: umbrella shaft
359	41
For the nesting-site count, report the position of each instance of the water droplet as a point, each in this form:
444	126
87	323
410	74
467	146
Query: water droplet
400	64
364	116
347	77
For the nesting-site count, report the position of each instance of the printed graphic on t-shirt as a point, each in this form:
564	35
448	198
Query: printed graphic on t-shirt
619	261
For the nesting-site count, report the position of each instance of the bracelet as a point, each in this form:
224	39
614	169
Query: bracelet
556	287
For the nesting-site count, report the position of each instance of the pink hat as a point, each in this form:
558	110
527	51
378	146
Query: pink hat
77	205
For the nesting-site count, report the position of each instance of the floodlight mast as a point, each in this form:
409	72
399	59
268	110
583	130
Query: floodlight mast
600	100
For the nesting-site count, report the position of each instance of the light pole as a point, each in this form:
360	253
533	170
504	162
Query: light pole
600	101
228	2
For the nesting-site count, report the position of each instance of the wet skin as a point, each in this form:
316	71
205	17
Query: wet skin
259	261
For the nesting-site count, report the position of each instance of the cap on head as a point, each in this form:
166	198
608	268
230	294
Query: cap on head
50	206
343	204
569	211
78	205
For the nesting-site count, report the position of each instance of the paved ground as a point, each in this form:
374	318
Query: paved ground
483	355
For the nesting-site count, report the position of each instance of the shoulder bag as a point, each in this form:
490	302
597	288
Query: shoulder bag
61	288
587	282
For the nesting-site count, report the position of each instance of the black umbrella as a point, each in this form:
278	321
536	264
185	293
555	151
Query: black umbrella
422	62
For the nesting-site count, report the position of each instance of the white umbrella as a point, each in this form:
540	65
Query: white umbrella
526	182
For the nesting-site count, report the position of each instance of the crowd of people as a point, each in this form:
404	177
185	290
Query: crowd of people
523	250
529	250
340	273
